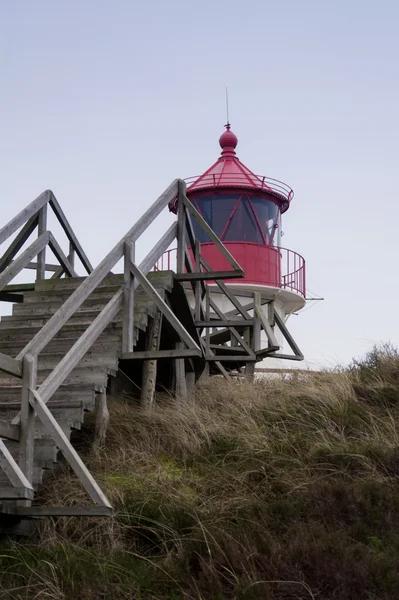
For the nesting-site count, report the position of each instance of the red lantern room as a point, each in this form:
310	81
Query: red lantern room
245	211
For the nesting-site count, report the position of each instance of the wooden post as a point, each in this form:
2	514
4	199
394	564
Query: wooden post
128	299
257	323
190	381
204	377
41	257
207	318
102	418
180	376
27	422
71	255
271	317
197	255
181	228
149	377
250	370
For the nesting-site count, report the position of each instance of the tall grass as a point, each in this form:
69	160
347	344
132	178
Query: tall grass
278	489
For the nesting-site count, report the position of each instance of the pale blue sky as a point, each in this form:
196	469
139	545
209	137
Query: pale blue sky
107	102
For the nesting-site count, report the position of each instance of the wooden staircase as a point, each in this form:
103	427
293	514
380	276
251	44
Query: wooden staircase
68	336
89	379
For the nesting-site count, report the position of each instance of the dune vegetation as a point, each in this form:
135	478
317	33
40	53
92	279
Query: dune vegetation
285	488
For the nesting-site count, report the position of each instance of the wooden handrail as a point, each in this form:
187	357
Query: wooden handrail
30	216
76	299
81	346
59	213
25	258
9	365
18	242
25	214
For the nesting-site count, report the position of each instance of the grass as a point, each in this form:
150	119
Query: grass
278	489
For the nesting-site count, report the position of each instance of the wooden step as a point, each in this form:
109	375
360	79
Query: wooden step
11	493
166	277
71	283
107	359
85	376
67	331
61	346
99	294
64	395
49	308
85	318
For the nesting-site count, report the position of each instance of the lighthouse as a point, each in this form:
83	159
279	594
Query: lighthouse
245	211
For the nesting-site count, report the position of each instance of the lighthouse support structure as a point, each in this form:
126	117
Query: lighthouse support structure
238	332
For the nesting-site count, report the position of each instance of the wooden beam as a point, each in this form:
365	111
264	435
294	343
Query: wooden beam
58	252
69	233
228	292
287	371
23	259
225	323
257	324
102	418
271	338
233	330
16	493
161	354
163	307
19	288
235	311
213	275
224	348
243	293
230	358
76	299
212	235
62	511
8	431
10	365
19	241
58	273
7	297
208	351
74	460
12	470
190	230
291	342
180	374
181	227
25	214
218	364
41	257
26	417
285	356
47	267
71	254
128	299
160	247
150	367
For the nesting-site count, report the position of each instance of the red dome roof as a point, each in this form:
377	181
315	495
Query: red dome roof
229	172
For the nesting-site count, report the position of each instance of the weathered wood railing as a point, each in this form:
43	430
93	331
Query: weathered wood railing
31	217
196	271
34	399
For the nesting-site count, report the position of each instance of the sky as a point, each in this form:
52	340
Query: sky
106	103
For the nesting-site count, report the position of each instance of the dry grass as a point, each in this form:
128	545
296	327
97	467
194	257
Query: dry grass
281	489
